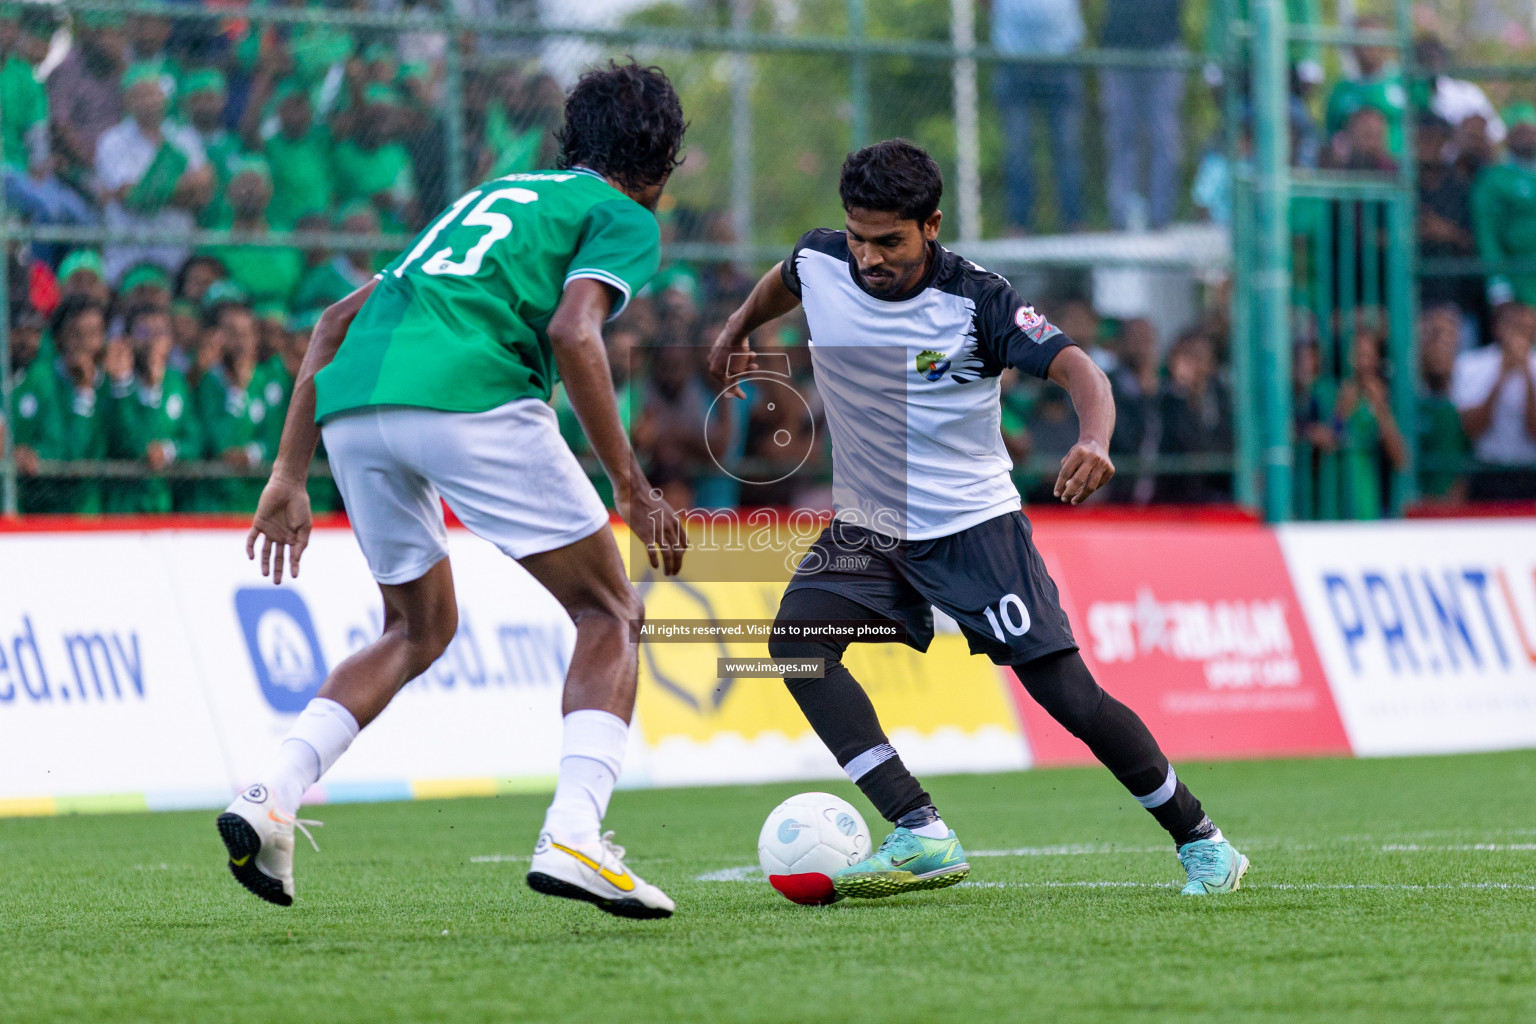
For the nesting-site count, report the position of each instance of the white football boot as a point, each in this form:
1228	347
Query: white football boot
259	838
595	873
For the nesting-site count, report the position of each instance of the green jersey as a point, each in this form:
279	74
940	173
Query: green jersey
1504	222
84	436
458	320
26	109
230	416
38	426
137	416
1385	92
301	175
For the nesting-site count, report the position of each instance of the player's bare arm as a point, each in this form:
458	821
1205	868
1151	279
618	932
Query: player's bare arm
769	300
1086	467
283	517
576	338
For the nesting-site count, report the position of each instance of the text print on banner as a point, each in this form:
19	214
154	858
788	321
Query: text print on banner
1428	630
1198	630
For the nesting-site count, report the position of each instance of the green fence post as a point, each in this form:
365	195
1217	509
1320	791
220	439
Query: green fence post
7	421
1245	439
858	87
1402	296
453	73
1272	277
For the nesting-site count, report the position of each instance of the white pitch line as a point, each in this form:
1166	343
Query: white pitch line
744	873
1464	848
1068	850
1389	886
499	858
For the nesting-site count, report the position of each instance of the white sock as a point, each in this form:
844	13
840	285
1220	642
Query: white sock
935	829
321	734
590	757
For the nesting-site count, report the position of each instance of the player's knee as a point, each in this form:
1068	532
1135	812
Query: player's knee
431	636
610	610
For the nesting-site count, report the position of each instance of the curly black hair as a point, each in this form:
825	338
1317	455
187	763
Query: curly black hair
893	176
624	122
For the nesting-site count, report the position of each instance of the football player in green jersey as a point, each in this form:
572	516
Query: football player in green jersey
432	382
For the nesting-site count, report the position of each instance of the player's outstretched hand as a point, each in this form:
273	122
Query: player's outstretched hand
283	521
730	357
1085	469
658	525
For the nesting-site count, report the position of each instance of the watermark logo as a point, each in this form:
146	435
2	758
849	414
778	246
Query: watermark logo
285	652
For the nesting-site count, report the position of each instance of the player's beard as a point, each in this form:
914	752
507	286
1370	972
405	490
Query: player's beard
892	280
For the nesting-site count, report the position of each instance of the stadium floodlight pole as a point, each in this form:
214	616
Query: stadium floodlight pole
962	30
741	135
858	75
1272	273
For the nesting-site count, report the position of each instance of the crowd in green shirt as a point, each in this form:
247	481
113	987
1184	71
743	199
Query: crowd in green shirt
148	384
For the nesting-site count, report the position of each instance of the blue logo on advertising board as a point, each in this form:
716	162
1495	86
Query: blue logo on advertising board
284	648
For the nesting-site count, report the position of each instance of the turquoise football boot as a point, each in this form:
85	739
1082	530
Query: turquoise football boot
1213	865
905	862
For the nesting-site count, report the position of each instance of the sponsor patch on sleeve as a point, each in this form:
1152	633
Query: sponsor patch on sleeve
1032	323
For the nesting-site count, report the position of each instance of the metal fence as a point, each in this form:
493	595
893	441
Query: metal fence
777	93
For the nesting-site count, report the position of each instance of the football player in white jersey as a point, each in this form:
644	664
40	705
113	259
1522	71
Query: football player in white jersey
907	344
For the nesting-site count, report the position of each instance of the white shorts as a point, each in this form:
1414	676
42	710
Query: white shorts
507	474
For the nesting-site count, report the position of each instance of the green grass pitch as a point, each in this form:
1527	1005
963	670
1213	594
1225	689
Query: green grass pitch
1390	890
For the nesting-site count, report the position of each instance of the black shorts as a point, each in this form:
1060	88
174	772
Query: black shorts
989	579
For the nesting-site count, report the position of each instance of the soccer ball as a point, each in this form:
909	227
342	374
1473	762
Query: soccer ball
805	840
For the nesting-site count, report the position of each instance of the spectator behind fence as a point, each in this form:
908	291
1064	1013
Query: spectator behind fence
1053	28
370	163
149	415
80	334
1365	432
203	97
1495	390
1361	145
269	273
1195	418
1442	445
1141	106
228	397
299	156
1504	209
152	176
29	167
1135	386
1444	215
1452	99
34	430
1379	87
84	94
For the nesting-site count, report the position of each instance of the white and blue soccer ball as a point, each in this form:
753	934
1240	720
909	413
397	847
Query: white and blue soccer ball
806	840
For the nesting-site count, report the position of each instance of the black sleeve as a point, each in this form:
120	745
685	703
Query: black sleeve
833	243
1010	333
789	270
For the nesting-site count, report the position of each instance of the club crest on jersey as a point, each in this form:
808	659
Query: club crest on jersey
932	365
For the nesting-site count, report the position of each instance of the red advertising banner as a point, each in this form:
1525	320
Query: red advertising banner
1197	628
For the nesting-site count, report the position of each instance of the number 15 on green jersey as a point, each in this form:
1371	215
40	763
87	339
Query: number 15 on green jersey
457	322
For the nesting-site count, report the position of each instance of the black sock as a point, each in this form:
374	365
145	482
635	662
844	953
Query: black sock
1062	684
840	711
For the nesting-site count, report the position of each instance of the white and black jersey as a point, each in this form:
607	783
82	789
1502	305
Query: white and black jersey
910	386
